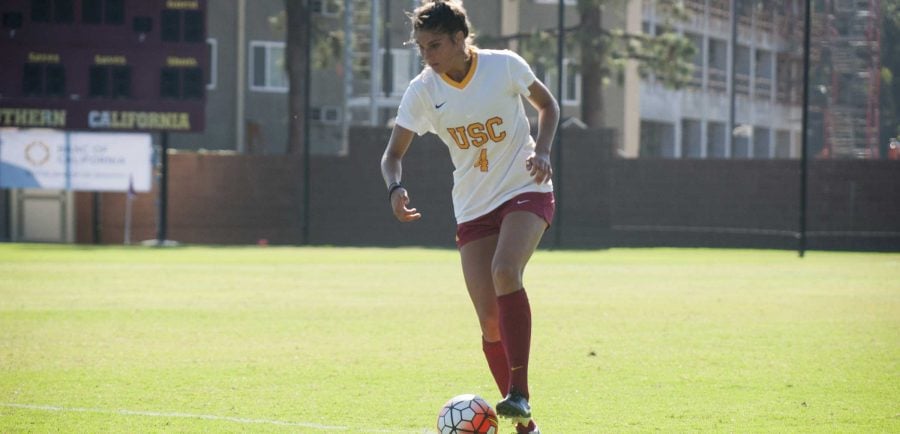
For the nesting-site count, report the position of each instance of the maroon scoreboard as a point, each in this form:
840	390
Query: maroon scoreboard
103	65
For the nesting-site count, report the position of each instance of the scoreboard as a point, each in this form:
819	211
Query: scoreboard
104	65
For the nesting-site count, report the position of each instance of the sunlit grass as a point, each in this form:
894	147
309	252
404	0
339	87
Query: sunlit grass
321	339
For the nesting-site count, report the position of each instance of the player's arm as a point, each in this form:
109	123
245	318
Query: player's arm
548	119
392	172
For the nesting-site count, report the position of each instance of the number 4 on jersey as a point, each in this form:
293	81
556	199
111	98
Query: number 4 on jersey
482	162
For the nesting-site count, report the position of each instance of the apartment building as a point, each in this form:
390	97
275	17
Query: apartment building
743	102
359	83
694	122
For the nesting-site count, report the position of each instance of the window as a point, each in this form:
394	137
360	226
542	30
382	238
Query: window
740	146
763	82
782	144
401	69
326	115
267	67
761	146
785	77
571	80
691	146
697	60
742	70
213	63
657	139
330	8
718	65
715	139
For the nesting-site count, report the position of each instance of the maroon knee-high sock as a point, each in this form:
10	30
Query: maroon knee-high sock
496	359
515	332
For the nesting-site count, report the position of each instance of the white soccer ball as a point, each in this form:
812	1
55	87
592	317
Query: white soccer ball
467	414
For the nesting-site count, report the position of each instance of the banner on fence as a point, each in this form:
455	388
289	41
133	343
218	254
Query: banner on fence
75	161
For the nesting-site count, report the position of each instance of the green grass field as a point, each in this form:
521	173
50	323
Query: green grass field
249	339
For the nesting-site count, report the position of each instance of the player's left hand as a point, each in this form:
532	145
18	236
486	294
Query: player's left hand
539	165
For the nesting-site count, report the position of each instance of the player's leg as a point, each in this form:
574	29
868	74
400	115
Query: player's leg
476	259
520	233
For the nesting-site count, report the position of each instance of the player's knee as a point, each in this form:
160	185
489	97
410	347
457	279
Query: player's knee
506	276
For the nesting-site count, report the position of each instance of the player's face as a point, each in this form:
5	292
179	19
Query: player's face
439	50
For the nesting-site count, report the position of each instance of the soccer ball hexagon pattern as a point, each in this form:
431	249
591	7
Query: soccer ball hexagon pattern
467	414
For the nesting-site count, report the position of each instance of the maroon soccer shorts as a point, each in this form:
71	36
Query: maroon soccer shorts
541	204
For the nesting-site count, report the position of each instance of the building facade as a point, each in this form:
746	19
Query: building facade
744	100
746	81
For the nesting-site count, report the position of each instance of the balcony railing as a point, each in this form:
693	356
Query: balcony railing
697	77
717	80
720	9
742	84
763	87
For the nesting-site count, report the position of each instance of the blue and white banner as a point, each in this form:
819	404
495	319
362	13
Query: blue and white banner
53	159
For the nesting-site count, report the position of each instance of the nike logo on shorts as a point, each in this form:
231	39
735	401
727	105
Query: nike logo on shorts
519	202
437	106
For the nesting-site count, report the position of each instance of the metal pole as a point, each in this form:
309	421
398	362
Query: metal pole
95	217
387	63
347	67
306	127
374	70
163	189
126	237
557	148
732	55
801	247
240	72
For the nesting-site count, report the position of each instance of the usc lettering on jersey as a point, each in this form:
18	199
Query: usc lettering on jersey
483	123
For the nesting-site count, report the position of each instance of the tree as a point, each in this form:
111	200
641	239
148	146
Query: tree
297	56
308	43
603	53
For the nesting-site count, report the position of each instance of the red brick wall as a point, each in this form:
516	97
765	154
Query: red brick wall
240	199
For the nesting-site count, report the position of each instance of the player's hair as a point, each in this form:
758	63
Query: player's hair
441	16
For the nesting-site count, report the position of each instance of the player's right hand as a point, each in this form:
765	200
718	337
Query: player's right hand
399	202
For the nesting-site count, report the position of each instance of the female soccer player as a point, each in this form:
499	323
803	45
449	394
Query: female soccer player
502	194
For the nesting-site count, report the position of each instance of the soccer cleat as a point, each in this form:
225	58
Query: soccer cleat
527	428
515	407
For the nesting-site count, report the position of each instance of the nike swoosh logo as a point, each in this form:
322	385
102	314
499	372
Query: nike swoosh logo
519	202
516	368
437	106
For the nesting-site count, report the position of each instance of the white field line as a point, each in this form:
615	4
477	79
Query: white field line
243	420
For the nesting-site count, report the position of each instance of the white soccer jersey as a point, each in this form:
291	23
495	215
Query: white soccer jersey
482	121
